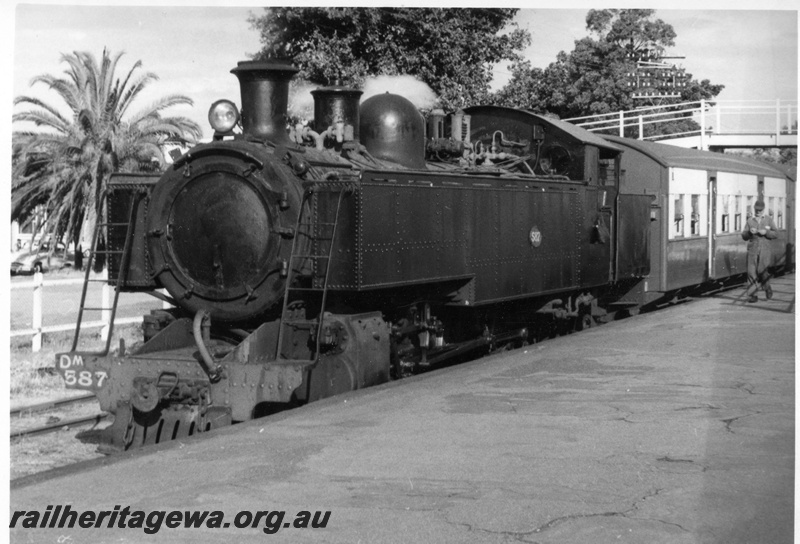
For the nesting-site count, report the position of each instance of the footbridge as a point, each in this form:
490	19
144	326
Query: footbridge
723	124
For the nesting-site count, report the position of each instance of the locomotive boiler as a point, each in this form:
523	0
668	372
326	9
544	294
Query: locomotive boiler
305	260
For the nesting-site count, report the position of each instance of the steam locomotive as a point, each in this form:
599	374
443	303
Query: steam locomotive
302	262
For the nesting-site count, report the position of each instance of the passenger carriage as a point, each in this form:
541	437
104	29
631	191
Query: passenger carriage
701	202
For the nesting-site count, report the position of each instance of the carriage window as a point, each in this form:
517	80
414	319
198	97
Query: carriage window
771	207
725	208
779	221
737	217
695	223
749	207
678	219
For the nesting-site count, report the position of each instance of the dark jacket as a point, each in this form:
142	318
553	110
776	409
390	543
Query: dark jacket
758	244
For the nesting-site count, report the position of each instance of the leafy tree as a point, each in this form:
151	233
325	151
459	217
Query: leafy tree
451	50
526	89
787	156
66	166
593	78
632	29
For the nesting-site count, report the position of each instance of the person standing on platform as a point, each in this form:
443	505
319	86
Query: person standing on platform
758	232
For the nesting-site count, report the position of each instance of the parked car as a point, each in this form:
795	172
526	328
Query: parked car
40	259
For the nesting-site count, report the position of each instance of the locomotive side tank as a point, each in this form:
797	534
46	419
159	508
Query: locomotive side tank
495	238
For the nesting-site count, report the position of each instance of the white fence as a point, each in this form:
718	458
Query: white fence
37	329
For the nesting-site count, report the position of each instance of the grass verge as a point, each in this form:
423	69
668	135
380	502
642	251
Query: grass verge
32	374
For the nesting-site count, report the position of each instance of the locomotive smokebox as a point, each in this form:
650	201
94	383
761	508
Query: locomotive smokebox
337	107
391	128
265	98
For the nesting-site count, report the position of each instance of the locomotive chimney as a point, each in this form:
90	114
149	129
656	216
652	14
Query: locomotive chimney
265	98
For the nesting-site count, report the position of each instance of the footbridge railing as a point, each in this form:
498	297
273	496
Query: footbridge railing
728	123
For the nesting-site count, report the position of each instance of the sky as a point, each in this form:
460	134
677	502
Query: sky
192	48
752	53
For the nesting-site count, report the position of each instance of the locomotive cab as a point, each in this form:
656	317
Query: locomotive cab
551	147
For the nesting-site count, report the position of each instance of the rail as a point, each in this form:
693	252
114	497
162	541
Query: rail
717	117
50	405
65	424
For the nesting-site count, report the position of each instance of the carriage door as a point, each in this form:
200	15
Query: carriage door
712	225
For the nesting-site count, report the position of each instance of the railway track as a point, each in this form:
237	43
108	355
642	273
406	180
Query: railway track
60	423
50	405
76	422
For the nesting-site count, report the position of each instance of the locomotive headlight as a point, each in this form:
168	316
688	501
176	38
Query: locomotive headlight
223	115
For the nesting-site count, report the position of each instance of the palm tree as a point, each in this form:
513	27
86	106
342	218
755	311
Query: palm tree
66	167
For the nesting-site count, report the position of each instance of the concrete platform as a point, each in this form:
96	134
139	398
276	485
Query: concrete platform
671	427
